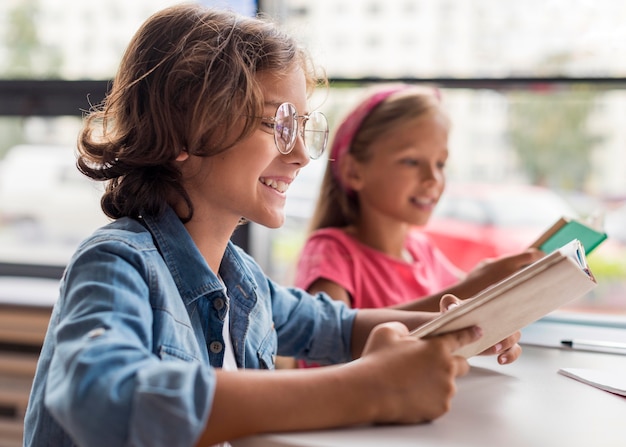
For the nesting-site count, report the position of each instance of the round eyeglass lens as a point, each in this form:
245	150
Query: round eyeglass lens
285	127
316	134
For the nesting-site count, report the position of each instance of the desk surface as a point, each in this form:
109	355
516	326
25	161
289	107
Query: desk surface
519	405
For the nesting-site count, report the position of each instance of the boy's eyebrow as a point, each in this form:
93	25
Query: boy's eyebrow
271	106
274	104
277	103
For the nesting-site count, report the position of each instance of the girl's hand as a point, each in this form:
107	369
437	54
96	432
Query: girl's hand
496	269
409	380
508	350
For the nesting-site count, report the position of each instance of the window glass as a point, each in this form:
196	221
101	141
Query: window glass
565	139
562	141
46	205
519	160
70	39
461	38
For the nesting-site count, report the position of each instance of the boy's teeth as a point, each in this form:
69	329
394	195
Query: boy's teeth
278	185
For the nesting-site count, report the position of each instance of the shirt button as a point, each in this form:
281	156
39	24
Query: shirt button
216	347
218	304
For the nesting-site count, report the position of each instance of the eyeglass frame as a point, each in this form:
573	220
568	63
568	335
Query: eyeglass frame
298	129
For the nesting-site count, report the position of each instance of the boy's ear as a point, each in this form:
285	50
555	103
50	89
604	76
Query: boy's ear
350	171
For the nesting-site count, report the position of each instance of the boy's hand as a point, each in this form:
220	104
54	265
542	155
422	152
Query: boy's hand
411	380
508	350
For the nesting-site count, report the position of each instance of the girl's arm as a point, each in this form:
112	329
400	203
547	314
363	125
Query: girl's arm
420	311
399	379
507	350
485	274
482	276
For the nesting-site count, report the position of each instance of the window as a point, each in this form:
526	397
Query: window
561	133
552	116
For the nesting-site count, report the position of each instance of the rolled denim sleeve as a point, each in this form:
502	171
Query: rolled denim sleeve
312	327
111	380
316	328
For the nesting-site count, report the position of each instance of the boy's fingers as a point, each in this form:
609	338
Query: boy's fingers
384	334
393	329
458	339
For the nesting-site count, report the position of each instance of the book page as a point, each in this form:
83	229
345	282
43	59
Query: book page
611	381
518	300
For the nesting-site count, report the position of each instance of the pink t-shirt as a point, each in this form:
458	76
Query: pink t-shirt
374	279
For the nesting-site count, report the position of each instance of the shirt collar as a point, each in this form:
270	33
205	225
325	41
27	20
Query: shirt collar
190	271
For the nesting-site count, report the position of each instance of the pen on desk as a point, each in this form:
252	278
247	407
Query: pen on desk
613	347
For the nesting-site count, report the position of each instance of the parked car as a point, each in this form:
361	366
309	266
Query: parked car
43	196
477	221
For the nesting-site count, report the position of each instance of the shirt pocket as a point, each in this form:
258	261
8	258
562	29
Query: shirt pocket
267	350
171	353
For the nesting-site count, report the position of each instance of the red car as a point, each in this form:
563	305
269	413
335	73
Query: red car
477	221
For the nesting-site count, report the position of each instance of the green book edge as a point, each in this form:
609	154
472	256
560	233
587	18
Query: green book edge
588	237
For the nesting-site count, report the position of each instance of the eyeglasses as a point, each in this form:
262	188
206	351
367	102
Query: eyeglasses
285	127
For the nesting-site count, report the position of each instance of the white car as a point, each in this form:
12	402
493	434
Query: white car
44	197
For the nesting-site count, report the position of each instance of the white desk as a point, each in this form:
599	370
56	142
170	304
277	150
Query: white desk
525	404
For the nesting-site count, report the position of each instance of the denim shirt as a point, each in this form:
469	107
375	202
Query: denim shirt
127	360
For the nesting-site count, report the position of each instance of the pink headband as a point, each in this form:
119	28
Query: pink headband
351	124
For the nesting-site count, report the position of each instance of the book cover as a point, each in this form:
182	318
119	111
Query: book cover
518	300
566	230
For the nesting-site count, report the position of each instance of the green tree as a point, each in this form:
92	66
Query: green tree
549	132
27	55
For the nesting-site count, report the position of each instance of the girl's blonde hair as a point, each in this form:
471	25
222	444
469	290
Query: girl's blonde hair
187	82
379	112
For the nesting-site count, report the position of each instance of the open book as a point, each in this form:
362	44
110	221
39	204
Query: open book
518	300
565	230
